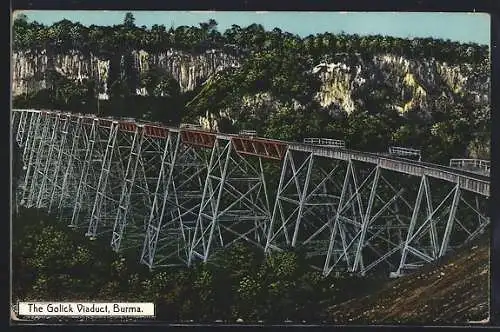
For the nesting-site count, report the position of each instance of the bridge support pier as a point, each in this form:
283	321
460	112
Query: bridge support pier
44	160
421	251
127	189
306	193
90	164
161	195
103	191
354	229
176	204
234	204
67	159
53	165
40	132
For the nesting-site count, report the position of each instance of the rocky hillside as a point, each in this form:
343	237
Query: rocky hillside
349	82
453	291
422	93
190	70
413	83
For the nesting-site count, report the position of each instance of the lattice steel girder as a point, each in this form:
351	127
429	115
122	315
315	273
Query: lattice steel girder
472	183
304	197
265	148
92	166
360	210
54	160
178	198
40	151
451	224
64	172
137	190
161	194
27	155
198	138
106	198
234	203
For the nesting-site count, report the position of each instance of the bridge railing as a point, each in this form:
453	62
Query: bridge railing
405	152
325	141
471	164
319	145
470	183
248	133
190	126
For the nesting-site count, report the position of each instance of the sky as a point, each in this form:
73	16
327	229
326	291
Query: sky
461	27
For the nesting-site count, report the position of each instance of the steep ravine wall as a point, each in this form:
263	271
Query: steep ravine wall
414	83
30	68
348	79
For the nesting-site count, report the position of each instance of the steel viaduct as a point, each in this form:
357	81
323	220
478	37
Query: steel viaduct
180	195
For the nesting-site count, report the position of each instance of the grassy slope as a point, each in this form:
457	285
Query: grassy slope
455	290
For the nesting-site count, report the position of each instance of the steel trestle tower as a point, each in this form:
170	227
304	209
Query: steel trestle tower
181	195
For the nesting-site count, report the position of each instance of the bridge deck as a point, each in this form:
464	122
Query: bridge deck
274	149
468	181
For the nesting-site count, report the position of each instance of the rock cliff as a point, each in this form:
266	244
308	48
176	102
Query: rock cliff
414	83
349	81
30	68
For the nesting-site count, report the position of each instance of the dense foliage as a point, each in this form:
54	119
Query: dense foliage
65	36
275	65
54	262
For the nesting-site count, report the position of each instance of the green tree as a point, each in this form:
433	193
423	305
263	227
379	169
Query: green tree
129	20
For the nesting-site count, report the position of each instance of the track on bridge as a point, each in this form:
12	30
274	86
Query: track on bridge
178	196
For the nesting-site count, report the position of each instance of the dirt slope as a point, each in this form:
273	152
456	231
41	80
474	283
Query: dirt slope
452	291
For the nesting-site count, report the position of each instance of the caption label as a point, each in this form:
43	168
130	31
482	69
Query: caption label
124	309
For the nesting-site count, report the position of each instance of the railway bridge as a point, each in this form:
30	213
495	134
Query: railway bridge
181	195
